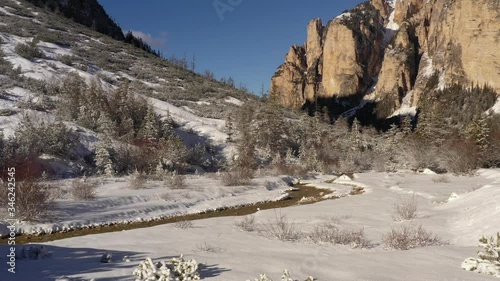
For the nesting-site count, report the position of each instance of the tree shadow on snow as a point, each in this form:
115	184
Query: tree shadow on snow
65	262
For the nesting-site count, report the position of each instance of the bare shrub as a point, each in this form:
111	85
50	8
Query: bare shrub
441	179
28	51
280	228
32	199
405	208
246	224
175	181
83	190
237	177
138	181
329	233
183	224
417	153
208	248
409	237
460	157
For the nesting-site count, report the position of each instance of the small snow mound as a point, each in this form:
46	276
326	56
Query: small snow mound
343	178
427	171
233	101
453	196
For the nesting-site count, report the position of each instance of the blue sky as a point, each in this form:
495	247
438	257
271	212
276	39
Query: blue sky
244	39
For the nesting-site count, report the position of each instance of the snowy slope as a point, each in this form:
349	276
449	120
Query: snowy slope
238	255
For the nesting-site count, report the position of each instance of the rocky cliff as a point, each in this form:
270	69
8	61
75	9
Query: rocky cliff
390	49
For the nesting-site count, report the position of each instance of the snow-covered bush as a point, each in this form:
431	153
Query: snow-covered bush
285	277
487	262
176	269
409	237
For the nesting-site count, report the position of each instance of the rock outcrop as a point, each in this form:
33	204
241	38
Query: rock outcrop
392	49
341	59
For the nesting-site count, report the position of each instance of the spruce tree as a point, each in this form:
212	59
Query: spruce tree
149	130
229	128
103	159
105	125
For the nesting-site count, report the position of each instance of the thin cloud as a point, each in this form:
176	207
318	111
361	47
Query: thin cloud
158	42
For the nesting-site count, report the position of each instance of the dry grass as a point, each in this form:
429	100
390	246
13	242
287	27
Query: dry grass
441	179
409	237
183	224
279	227
405	208
175	181
329	233
246	224
208	248
138	181
32	199
237	177
83	190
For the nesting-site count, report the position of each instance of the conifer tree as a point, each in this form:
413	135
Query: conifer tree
149	130
356	134
406	125
103	159
229	128
105	125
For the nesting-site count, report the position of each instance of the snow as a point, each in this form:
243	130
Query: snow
117	203
496	107
343	15
211	128
391	27
428	67
244	255
234	101
151	85
3	10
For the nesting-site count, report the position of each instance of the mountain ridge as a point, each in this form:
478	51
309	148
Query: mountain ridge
456	40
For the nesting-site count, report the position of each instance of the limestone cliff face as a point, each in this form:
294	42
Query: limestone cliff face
463	40
341	59
394	47
288	85
398	73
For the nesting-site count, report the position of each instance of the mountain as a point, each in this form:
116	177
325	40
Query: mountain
67	60
86	12
391	51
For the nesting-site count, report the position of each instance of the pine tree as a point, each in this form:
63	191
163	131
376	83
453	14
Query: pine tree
229	128
483	134
149	130
356	134
103	159
406	126
105	125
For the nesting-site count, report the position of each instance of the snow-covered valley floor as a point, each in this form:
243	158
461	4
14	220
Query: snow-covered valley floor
232	255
